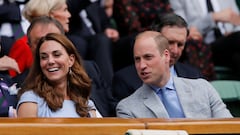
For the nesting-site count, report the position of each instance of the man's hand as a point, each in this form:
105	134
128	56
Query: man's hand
112	34
7	63
227	15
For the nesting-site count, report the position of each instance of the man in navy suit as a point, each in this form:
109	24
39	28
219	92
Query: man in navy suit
174	28
94	27
9	13
8	100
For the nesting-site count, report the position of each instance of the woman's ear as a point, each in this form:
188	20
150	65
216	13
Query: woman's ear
51	15
71	60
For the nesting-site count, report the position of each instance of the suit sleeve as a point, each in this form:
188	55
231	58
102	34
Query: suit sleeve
119	88
10	12
218	108
75	6
122	111
4	112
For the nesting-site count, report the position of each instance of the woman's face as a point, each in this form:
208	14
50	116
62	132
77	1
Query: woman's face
55	61
62	15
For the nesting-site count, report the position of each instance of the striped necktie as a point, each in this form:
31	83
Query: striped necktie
3	101
17	30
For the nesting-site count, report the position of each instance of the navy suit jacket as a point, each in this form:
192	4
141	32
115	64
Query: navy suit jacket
10	13
11	99
100	91
126	80
95	13
98	45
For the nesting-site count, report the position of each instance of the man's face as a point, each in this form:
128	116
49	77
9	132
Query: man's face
151	66
177	37
40	30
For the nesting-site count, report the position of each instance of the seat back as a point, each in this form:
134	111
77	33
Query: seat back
229	91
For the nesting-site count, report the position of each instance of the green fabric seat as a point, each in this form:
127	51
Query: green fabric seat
229	91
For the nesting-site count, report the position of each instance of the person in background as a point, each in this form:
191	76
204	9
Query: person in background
94	26
8	97
12	27
10	15
175	29
108	6
12	23
219	23
162	94
57	85
8	90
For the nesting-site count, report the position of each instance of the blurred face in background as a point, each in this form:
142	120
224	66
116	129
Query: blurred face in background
177	38
108	6
62	14
40	30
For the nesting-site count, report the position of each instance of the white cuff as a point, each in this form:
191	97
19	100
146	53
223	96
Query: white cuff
10	111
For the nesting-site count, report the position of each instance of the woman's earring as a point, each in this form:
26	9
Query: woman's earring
70	71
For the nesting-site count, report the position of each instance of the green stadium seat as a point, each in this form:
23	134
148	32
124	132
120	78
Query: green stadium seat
229	91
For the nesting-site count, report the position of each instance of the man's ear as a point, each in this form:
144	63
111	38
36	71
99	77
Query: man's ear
166	53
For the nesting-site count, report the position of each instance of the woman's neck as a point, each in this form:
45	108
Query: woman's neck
63	89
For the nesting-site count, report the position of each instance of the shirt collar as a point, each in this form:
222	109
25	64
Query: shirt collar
169	85
173	71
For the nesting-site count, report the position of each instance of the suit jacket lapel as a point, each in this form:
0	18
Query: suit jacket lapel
153	102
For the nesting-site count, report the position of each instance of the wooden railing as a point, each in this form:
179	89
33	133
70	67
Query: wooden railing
113	126
207	126
68	126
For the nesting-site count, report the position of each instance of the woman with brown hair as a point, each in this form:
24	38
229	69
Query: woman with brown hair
57	85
